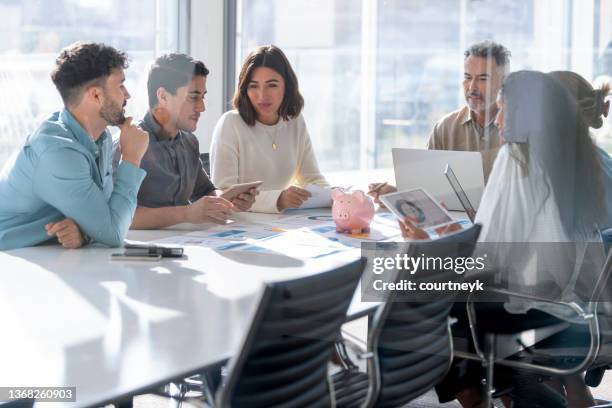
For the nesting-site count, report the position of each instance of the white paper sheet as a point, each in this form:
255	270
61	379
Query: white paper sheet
321	197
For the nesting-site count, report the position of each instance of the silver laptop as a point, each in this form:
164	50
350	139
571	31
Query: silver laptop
470	211
416	168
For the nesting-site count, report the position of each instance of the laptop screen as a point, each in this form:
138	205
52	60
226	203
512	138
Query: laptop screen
419	168
463	198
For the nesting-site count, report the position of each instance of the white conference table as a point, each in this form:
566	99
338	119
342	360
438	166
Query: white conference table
110	329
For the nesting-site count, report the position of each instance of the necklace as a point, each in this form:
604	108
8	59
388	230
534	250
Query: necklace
272	134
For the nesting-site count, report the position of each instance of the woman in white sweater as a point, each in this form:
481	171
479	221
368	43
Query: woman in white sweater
265	136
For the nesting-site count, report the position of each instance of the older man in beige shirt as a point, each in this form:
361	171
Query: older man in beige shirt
471	128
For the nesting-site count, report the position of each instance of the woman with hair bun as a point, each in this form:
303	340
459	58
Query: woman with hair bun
594	108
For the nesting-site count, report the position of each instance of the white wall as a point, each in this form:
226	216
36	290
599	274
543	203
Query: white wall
582	37
206	44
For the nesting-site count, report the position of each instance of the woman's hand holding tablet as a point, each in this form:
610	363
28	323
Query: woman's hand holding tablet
237	189
417	211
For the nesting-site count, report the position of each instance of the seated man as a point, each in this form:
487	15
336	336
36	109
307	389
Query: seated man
177	188
60	183
471	128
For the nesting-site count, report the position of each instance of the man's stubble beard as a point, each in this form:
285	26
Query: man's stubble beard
112	113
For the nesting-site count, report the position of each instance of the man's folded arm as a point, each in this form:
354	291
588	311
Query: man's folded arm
63	180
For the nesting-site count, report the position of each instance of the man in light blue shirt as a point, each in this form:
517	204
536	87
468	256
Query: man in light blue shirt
59	185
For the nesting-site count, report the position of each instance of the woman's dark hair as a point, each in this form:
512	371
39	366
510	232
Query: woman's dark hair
542	124
269	56
172	71
82	64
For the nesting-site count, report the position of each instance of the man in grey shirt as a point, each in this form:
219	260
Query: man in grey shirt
177	188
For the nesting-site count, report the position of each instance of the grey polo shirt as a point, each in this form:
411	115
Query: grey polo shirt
175	175
459	131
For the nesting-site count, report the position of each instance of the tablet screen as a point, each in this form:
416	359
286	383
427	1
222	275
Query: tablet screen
419	206
237	189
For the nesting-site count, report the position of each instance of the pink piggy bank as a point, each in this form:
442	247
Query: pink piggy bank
352	212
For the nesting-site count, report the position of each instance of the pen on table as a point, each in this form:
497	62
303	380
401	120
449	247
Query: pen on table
341	188
377	188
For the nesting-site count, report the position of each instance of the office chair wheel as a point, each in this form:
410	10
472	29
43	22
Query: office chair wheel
530	392
192	387
594	376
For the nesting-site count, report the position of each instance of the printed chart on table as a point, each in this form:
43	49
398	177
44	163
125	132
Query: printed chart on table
297	234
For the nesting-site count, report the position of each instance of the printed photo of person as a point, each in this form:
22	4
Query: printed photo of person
419	207
409	209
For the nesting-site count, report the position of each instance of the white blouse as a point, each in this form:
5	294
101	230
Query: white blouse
522	234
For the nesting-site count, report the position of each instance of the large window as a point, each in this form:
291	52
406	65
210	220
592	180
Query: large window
322	39
378	74
34	31
602	60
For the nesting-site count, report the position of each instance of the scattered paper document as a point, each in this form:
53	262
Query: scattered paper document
299	234
298	244
321	197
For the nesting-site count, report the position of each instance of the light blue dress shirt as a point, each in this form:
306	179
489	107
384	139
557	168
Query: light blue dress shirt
60	172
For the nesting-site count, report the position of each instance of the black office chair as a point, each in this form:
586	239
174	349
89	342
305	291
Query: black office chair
205	158
582	346
595	374
409	346
284	356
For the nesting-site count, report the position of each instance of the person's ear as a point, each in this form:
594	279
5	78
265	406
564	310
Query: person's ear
93	94
606	108
162	96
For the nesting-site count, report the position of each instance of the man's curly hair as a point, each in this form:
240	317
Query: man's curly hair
82	64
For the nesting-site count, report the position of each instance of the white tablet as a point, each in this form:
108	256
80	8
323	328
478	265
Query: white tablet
419	205
237	189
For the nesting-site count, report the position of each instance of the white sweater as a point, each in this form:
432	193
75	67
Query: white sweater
240	153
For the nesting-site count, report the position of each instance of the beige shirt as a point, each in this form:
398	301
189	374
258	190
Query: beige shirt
460	131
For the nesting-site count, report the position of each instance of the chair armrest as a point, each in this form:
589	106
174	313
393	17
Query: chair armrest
365	356
343	358
576	308
590	318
